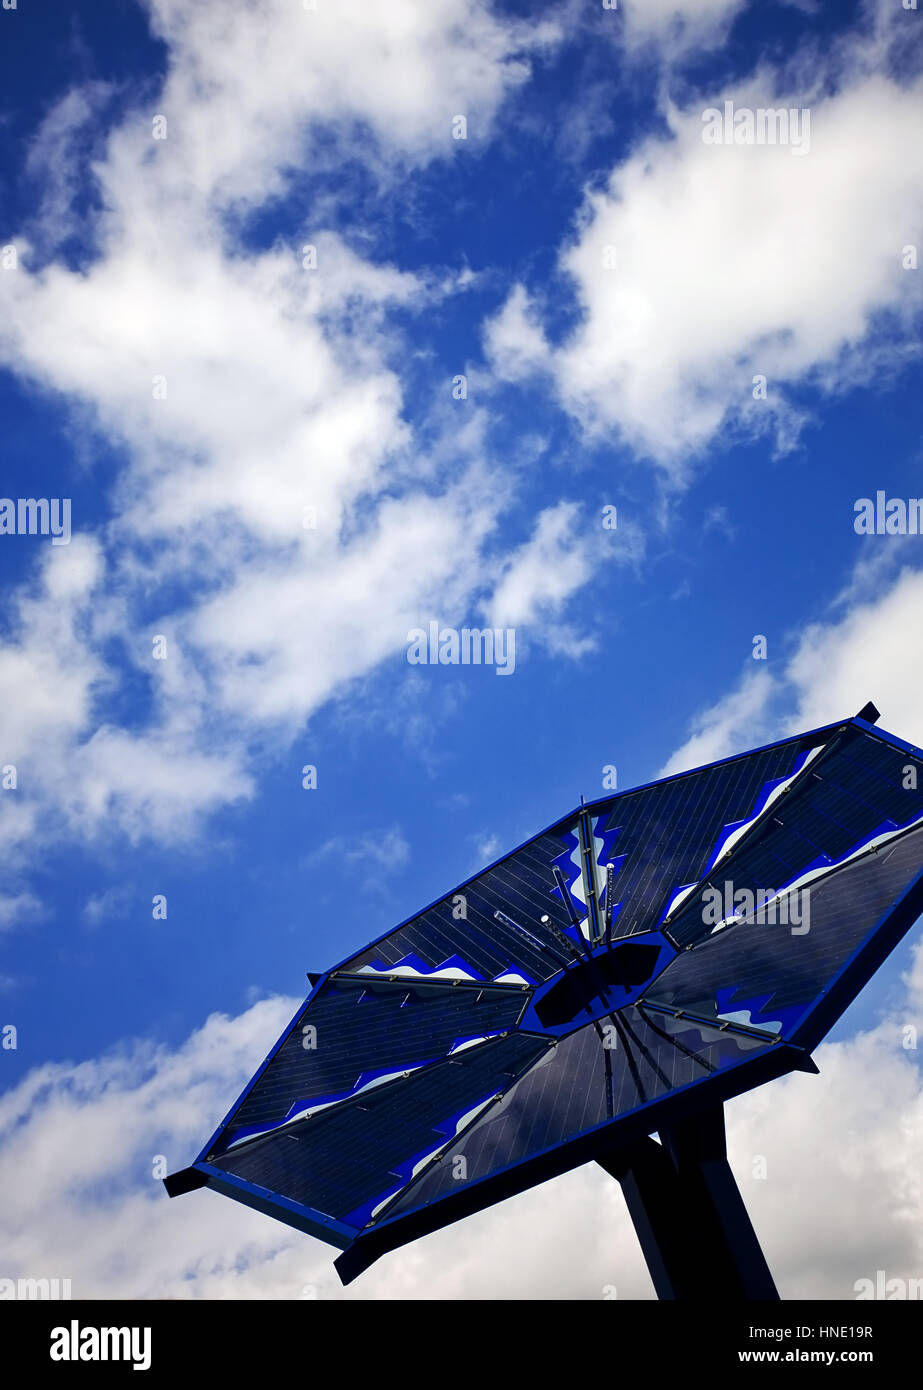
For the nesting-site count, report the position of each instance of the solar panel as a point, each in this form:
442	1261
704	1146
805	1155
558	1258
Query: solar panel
623	973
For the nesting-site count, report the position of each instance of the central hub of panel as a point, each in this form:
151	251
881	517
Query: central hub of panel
603	981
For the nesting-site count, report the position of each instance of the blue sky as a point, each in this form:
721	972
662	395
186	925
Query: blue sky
332	387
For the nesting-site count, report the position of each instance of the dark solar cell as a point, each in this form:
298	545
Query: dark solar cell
365	1029
775	972
583	1083
851	791
670	835
359	1153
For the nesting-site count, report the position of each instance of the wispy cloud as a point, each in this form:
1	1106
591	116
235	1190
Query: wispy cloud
16	908
101	907
384	850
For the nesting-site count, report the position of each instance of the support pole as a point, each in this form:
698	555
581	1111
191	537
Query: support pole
689	1215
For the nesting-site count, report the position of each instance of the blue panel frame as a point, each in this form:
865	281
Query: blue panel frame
362	1246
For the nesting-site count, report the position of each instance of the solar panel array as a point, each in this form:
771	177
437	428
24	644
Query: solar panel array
661	836
348	1159
773	974
582	1084
363	1030
410	1074
851	791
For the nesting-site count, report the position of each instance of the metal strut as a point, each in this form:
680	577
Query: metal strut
588	860
689	1216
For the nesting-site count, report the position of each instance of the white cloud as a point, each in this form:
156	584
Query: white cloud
513	339
83	1139
842	1196
702	266
868	653
872	653
16	908
382	849
100	907
545	571
718	732
57	162
678	26
486	848
403	71
85	773
271	469
538	580
46	655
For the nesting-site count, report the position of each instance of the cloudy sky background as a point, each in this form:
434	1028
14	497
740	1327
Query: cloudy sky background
332	388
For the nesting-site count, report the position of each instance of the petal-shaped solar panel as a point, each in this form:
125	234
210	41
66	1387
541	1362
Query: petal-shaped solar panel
623	973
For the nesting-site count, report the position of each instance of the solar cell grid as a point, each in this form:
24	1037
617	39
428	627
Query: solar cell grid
407	1058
